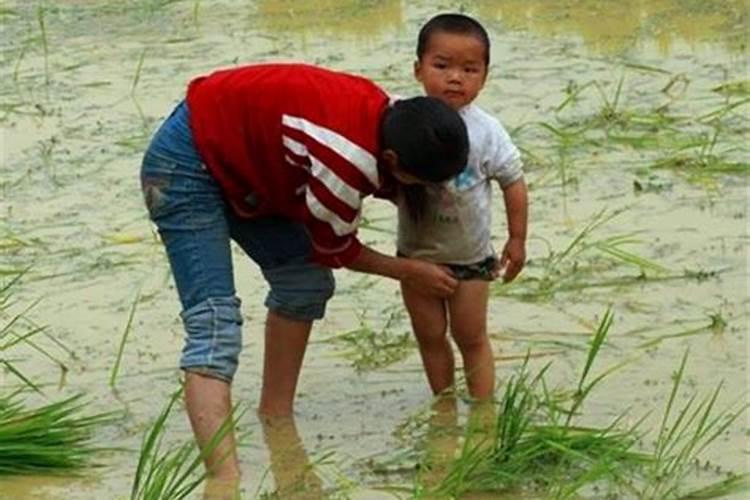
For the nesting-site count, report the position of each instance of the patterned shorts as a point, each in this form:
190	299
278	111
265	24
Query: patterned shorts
479	271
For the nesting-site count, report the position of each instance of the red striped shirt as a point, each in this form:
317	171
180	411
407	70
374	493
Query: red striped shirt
298	140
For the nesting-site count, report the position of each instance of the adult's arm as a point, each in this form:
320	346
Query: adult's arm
431	278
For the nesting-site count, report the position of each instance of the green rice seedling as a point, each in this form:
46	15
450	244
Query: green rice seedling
45	44
683	434
739	87
138	70
16	328
734	484
196	12
125	333
535	444
55	438
173	472
609	111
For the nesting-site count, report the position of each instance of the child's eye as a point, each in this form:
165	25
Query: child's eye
471	70
440	65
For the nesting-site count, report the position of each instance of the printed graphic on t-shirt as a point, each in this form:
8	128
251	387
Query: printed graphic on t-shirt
447	212
465	179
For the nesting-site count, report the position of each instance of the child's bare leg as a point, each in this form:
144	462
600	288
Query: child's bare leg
442	442
429	323
468	320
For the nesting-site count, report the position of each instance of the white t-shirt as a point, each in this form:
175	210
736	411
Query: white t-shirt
456	225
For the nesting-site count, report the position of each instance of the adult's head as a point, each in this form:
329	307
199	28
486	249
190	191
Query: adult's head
423	141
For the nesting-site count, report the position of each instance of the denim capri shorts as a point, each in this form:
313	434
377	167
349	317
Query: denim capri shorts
196	226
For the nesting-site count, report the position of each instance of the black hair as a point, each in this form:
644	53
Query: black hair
453	23
428	136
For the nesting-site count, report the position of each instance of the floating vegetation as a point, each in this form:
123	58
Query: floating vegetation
588	262
369	348
706	144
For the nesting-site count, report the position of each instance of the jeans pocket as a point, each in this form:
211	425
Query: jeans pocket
156	176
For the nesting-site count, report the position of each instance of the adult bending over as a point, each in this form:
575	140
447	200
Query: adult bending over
278	157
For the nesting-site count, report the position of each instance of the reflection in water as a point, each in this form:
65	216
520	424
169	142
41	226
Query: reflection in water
291	468
292	471
616	25
221	490
359	18
443	439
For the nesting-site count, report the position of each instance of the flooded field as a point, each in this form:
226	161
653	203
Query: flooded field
633	119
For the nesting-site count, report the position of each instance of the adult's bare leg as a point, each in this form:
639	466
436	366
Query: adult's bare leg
209	405
285	344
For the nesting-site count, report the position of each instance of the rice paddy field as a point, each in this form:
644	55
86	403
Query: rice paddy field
621	350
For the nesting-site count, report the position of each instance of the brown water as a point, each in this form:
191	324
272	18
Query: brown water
72	210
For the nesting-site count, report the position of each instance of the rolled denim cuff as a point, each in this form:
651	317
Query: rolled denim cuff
214	337
299	291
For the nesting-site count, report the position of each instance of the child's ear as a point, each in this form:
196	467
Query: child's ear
417	69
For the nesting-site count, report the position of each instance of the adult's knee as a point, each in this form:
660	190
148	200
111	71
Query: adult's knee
299	290
214	337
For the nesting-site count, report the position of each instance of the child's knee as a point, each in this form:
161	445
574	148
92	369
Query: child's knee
214	337
471	341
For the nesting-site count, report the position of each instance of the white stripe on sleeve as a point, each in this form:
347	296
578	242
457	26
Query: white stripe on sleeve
353	153
338	187
295	147
322	213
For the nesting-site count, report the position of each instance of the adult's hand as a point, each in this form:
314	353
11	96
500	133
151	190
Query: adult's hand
429	278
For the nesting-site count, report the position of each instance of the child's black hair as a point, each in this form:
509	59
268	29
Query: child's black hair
453	23
428	136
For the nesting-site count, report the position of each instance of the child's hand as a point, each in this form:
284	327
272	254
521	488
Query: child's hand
513	258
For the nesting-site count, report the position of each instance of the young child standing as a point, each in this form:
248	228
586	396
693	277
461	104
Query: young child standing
450	224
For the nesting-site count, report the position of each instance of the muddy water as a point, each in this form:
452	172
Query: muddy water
76	119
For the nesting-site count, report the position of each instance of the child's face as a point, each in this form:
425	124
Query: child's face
452	68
